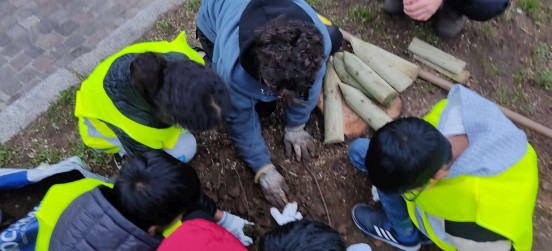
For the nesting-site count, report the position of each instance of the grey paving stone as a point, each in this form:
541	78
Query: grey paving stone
43	63
59	16
11	49
4	97
18	3
79	51
49	41
5	8
9	85
67	27
27	76
34	51
59	51
46	26
3	60
20	61
7	21
46	9
64	60
4	39
30	22
28	9
74	41
16	31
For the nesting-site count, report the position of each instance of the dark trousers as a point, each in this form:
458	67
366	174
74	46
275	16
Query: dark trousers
479	10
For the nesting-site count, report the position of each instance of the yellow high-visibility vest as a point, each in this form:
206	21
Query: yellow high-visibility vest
94	104
503	203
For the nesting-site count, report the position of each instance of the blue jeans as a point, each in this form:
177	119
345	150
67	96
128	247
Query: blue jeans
393	204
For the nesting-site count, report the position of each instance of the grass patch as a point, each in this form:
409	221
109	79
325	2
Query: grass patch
192	5
490	69
62	110
489	31
515	98
361	14
544	79
164	26
424	31
7	155
534	10
313	3
542	51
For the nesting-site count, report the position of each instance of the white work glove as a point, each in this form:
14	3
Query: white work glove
273	185
301	142
359	247
288	215
235	224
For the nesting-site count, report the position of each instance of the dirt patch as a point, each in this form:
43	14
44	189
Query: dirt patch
500	55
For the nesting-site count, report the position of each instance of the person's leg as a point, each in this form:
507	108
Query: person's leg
265	109
394	207
206	45
393	7
185	147
449	21
357	153
479	10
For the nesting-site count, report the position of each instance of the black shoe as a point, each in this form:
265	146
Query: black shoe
373	222
393	7
449	23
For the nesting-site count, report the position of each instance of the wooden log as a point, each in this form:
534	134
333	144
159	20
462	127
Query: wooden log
344	76
364	107
436	56
333	112
370	81
394	69
460	78
516	117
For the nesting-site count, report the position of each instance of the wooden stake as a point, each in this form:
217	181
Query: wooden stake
516	117
460	78
370	81
436	56
364	107
333	112
398	72
344	76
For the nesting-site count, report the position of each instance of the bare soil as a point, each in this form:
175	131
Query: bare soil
496	52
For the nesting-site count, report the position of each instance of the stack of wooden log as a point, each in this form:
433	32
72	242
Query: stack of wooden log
370	80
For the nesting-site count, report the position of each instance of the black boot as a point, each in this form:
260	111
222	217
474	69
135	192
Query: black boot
393	7
449	22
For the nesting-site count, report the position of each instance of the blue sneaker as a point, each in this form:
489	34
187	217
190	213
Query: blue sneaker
373	222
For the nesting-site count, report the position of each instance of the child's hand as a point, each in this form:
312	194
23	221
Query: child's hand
288	215
235	225
421	10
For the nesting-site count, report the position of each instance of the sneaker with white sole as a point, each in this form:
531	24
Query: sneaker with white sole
373	222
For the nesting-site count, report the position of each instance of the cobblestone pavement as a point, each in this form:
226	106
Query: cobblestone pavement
37	37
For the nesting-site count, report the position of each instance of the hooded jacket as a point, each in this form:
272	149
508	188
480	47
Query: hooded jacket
229	25
91	222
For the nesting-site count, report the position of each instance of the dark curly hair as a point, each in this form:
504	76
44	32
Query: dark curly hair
289	53
302	235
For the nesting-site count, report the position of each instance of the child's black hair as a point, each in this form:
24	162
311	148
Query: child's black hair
153	188
192	96
405	154
146	74
302	236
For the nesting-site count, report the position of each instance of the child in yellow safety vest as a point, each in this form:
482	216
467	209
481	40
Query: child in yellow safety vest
147	96
465	177
153	195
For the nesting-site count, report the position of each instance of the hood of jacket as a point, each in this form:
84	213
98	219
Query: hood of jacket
91	222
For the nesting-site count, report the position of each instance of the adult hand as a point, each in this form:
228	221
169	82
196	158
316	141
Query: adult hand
421	10
273	185
288	215
301	141
235	224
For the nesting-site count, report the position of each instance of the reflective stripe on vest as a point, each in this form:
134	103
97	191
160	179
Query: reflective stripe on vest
93	102
54	203
503	203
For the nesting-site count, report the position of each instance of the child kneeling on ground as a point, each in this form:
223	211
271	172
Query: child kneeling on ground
464	176
152	195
